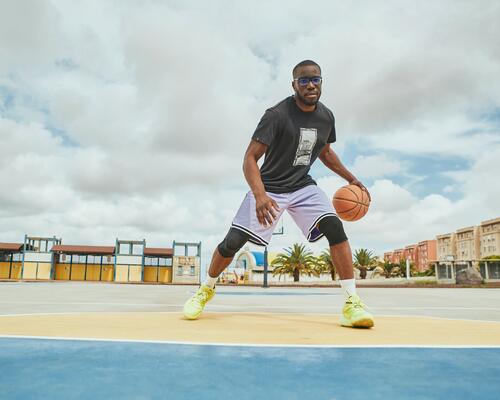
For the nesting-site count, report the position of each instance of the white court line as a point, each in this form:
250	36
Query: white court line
93	312
253	344
62	303
248	312
437	308
244	306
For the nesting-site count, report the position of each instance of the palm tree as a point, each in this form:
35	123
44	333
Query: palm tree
364	259
296	260
389	268
402	268
325	264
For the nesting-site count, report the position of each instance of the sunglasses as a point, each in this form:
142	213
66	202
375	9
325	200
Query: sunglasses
304	80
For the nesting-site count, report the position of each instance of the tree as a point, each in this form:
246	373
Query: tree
294	261
388	268
364	259
325	264
401	268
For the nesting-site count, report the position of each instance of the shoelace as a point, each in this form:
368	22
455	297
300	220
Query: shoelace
201	296
358	304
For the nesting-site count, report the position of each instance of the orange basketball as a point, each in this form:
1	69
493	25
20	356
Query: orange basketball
351	203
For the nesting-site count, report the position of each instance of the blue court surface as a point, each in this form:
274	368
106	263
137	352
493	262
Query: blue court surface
95	369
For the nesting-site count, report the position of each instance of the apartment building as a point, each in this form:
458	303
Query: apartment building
489	237
397	256
452	252
410	253
388	256
467	244
446	250
426	254
422	254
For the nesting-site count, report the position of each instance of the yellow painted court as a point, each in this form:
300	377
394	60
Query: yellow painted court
253	328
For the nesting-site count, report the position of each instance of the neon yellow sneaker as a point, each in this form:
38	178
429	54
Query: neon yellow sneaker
354	314
195	305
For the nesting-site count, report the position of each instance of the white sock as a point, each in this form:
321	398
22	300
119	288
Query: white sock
210	282
349	286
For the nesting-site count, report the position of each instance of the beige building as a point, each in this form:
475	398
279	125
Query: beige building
446	255
467	247
186	269
446	250
467	244
490	238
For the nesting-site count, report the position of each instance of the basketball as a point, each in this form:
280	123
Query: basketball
351	202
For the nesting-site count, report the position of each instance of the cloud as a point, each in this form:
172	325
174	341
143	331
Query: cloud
377	166
131	119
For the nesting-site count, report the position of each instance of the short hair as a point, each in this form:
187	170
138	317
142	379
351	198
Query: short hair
305	63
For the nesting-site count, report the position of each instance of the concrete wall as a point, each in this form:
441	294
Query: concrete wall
157	274
8	271
37	270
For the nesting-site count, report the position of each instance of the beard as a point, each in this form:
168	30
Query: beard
306	101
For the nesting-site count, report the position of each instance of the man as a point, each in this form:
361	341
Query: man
292	134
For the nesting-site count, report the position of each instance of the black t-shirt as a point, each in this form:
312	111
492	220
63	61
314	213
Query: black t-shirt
295	139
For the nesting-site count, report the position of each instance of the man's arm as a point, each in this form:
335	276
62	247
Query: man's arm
265	206
332	161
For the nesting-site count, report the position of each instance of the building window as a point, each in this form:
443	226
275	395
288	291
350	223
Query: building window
79	259
108	259
180	270
192	270
150	261
93	259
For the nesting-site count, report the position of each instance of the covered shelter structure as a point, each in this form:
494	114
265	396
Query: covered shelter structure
158	264
84	263
129	260
38	259
11	260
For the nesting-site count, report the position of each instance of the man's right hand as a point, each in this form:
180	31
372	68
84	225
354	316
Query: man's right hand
266	209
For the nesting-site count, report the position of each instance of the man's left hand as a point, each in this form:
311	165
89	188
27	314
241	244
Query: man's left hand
360	185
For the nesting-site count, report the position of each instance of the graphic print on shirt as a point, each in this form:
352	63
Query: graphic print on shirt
308	137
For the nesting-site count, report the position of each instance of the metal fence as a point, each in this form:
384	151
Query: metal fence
444	271
490	269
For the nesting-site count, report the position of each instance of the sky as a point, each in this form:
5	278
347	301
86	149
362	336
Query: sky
130	119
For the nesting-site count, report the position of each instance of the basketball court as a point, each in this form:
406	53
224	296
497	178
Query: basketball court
73	340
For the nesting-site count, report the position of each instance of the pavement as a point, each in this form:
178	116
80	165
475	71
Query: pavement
404	316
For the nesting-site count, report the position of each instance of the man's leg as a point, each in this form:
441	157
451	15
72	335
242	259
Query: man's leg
353	313
342	259
340	252
222	257
217	266
245	226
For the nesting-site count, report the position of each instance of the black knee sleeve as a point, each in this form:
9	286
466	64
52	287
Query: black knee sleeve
333	229
234	241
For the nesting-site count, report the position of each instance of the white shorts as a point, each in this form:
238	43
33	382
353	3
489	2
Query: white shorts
307	206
